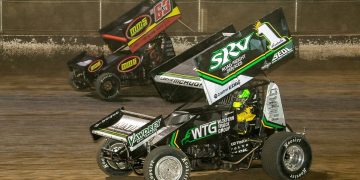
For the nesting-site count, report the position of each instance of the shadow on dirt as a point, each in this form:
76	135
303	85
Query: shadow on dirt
254	174
137	92
317	175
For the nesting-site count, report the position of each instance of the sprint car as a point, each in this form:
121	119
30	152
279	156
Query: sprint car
138	43
242	119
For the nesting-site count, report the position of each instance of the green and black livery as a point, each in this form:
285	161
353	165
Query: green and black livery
241	121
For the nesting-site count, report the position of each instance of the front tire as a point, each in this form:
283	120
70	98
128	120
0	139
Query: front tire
116	167
107	86
166	163
76	81
286	155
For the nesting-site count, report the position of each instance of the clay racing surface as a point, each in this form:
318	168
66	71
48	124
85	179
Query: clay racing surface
44	123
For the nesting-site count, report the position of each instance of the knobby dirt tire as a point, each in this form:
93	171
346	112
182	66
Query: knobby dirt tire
158	162
107	86
286	155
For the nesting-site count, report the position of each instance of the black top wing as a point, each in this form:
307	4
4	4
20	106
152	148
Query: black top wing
140	25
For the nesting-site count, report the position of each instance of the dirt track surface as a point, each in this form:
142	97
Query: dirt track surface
44	123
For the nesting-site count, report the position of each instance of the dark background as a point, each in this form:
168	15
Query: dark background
75	17
44	123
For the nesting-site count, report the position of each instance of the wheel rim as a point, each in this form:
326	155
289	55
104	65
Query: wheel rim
293	158
168	168
117	165
110	87
107	85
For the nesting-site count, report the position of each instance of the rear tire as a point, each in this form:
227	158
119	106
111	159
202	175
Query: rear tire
286	155
107	86
166	163
109	167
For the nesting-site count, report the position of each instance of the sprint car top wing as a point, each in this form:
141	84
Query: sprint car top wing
179	70
236	60
140	25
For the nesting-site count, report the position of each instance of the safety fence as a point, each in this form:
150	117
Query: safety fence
85	17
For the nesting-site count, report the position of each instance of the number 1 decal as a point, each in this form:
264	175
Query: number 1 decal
271	35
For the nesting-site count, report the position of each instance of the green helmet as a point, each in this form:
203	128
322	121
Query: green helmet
244	94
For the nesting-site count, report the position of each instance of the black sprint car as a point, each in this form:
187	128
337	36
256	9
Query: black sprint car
138	43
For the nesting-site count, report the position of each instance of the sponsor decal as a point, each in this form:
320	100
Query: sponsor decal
215	92
295	140
267	31
224	124
239	142
273	110
163	16
140	136
96	65
204	131
230	87
231	52
161	9
187	167
150	169
207	130
297	176
241	55
179	81
234	59
129	64
239	147
273	105
282	53
138	26
233	65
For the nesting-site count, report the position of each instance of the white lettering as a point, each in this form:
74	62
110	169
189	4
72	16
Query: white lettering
229	53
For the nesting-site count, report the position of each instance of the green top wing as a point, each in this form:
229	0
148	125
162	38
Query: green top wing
229	59
236	60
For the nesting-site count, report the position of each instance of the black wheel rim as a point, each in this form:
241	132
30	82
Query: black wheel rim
110	87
